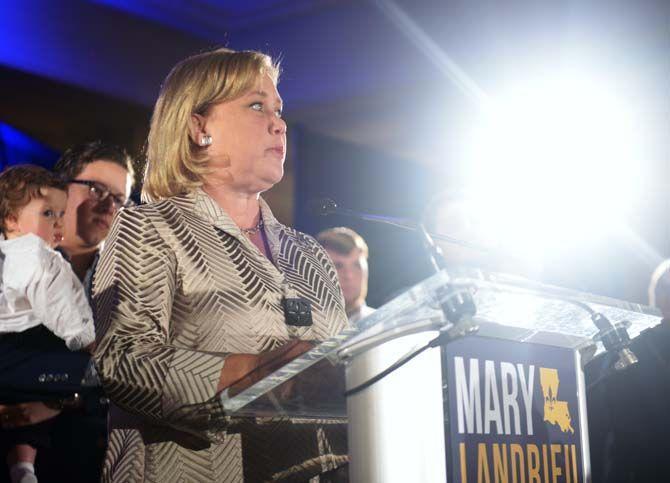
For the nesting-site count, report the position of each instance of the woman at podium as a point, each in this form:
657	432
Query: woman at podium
202	290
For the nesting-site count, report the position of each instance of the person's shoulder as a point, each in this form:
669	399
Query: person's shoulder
30	257
658	336
160	208
302	239
27	249
157	220
23	244
148	212
146	209
311	247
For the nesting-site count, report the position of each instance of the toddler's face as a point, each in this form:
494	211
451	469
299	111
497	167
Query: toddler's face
42	217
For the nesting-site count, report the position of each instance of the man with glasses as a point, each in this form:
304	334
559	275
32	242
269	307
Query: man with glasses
100	177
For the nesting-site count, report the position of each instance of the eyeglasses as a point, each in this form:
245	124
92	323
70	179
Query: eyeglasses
99	192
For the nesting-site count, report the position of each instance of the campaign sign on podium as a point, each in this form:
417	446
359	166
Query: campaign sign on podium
514	403
514	412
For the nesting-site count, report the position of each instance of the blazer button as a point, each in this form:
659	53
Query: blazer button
50	378
65	377
42	377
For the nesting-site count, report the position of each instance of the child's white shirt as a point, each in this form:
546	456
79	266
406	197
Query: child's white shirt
38	287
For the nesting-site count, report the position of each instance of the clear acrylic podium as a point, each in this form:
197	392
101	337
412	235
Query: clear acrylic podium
396	426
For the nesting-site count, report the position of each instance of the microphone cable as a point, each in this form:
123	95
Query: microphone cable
439	340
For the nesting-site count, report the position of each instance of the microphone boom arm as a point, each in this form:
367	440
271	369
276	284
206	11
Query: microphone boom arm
405	224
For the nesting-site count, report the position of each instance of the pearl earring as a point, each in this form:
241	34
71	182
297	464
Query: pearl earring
205	140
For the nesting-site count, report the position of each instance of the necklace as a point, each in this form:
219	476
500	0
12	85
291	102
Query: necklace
254	229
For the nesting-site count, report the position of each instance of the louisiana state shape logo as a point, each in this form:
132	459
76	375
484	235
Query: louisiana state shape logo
513	412
556	412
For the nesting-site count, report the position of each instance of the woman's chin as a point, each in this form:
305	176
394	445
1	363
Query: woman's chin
261	186
272	178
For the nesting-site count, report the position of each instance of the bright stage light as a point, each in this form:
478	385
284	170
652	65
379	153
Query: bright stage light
549	166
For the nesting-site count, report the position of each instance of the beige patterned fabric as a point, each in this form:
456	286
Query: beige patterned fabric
179	287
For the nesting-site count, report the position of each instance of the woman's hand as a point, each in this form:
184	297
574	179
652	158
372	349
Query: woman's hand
323	382
243	370
25	414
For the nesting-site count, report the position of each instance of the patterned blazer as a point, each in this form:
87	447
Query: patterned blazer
177	288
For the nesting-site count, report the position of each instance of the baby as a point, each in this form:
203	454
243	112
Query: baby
43	306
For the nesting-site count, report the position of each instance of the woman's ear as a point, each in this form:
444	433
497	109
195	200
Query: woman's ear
196	127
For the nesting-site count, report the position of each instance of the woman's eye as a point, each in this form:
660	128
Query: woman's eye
278	112
48	213
257	106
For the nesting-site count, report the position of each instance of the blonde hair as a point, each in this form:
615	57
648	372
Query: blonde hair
176	164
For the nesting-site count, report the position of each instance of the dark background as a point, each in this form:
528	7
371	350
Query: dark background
376	119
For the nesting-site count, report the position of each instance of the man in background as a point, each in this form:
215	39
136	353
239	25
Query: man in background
349	253
99	177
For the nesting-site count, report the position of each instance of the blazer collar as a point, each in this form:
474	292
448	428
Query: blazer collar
208	209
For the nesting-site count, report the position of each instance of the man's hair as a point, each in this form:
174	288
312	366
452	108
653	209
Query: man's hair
659	283
19	185
74	160
342	240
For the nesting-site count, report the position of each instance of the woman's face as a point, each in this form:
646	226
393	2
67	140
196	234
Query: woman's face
248	139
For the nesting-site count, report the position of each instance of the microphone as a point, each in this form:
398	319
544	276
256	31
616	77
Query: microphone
328	206
322	206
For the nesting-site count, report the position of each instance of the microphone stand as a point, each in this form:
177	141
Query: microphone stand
458	305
